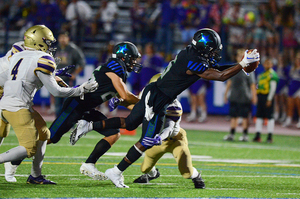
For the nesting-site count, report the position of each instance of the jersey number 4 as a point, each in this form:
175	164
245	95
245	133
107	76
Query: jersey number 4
15	70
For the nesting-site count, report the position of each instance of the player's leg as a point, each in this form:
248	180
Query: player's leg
71	112
182	155
271	122
233	113
245	110
27	135
261	102
4	130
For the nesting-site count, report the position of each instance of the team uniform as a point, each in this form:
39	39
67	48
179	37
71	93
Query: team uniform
263	92
283	82
174	141
75	109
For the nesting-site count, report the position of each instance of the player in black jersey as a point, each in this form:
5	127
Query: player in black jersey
111	78
197	60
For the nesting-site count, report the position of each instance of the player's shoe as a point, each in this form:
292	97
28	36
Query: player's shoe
191	117
89	169
202	119
81	130
269	140
117	179
199	182
145	178
39	180
256	139
10	171
244	138
229	137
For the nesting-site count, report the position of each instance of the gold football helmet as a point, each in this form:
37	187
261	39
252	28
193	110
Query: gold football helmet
39	37
154	78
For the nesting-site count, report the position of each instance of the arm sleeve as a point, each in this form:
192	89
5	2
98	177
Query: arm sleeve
197	66
57	91
273	85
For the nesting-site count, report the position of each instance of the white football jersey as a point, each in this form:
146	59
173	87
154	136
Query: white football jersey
22	82
4	61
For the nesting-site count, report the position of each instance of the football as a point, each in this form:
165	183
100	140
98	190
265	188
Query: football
252	66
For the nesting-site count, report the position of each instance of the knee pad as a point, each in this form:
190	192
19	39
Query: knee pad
44	133
4	128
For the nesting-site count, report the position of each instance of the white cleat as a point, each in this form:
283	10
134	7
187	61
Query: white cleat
81	130
228	137
10	171
244	138
89	169
117	179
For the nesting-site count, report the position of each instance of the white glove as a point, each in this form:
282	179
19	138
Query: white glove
249	58
88	87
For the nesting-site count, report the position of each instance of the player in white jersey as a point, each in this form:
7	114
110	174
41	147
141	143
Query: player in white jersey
175	142
28	71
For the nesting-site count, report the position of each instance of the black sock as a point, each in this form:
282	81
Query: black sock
17	162
101	147
245	131
257	134
270	136
131	156
112	123
232	131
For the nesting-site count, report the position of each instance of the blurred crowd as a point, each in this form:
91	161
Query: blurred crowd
161	27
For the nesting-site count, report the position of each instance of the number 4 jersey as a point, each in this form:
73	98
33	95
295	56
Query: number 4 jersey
21	81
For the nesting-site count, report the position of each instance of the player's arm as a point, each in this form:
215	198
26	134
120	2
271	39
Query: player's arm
228	85
273	85
121	88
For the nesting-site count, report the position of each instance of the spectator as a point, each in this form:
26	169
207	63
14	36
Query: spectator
69	54
242	93
151	20
294	93
165	32
267	82
198	100
105	19
137	14
78	14
204	9
217	13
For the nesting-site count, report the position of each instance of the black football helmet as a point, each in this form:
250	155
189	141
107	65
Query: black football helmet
208	43
130	53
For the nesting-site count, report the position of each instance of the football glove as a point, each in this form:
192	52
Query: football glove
249	58
88	87
64	71
147	141
113	103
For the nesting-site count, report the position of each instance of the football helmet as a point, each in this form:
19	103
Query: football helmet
129	52
208	43
39	37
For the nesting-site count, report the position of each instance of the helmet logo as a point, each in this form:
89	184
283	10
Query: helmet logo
122	49
205	39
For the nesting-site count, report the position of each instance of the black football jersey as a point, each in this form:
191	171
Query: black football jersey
174	79
106	89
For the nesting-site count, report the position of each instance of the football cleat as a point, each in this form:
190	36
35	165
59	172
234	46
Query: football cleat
199	182
269	140
10	171
244	138
89	169
145	178
38	180
229	137
81	130
256	139
117	179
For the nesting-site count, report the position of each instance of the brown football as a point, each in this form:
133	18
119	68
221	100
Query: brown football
252	66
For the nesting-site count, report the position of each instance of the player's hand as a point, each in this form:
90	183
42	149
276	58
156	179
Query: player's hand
269	103
89	86
147	141
249	58
113	103
64	71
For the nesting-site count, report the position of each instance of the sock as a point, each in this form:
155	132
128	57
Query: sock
259	124
245	131
153	172
271	124
288	120
269	136
13	154
101	147
195	173
132	155
257	134
37	160
232	131
112	123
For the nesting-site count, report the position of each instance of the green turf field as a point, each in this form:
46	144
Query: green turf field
230	169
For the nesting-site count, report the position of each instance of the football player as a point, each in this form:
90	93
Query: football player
29	69
197	60
174	141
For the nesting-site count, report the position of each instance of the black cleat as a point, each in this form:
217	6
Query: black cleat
145	178
199	182
38	180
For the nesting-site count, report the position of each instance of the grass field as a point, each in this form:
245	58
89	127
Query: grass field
230	169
